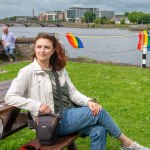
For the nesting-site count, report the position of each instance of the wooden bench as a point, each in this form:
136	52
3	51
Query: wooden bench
2	53
14	120
61	143
3	56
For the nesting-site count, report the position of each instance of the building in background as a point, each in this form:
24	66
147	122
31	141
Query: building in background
77	13
118	19
106	13
51	15
23	18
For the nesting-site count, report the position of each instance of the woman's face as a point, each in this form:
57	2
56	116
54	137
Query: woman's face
43	50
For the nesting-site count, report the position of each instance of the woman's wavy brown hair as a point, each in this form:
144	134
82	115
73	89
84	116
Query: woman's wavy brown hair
58	60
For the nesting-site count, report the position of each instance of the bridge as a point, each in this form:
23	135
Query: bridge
30	24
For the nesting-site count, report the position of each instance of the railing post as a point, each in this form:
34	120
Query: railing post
143	64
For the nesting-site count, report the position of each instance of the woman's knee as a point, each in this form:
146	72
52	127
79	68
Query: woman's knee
94	131
99	132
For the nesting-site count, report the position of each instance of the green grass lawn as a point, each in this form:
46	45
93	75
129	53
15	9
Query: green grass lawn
122	90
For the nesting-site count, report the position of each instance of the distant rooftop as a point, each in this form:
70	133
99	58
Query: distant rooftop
83	8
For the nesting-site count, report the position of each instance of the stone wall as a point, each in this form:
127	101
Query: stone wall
24	46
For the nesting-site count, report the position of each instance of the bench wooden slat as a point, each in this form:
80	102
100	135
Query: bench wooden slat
2	95
34	143
5	86
5	82
3	92
61	143
72	146
4	107
2	98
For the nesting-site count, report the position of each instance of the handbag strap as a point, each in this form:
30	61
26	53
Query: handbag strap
59	93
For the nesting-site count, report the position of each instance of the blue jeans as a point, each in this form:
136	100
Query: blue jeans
9	52
83	121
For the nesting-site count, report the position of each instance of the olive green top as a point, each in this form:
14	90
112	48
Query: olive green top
65	93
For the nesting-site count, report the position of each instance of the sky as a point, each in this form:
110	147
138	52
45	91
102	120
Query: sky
9	8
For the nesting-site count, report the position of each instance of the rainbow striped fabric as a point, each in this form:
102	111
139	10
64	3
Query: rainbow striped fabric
74	41
144	40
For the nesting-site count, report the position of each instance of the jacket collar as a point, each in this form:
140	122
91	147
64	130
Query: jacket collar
36	67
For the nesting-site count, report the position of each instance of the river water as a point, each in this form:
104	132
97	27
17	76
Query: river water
110	49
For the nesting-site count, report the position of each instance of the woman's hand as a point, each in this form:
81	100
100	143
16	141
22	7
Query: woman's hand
44	108
95	108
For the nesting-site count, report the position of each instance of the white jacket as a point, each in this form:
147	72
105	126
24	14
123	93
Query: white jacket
32	87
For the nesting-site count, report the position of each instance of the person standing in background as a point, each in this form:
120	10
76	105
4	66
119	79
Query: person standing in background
8	41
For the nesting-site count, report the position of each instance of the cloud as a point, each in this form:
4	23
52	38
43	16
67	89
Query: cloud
24	8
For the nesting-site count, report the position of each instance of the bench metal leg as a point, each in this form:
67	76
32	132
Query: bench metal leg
72	146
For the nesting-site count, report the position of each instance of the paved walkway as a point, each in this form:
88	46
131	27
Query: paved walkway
8	62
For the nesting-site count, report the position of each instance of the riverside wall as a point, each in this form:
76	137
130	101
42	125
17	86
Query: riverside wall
24	46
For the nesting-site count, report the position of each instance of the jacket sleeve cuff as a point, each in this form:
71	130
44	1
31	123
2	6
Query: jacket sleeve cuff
36	108
86	101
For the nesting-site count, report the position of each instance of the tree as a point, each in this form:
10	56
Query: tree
35	18
89	16
103	20
144	19
135	17
72	20
113	22
44	20
15	18
126	14
97	21
122	21
139	17
82	20
12	18
6	19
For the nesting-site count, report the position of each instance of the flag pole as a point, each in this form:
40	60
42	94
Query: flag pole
56	35
144	50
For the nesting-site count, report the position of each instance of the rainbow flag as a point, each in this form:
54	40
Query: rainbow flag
74	40
144	40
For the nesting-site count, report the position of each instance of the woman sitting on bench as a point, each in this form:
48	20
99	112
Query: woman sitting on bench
34	89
